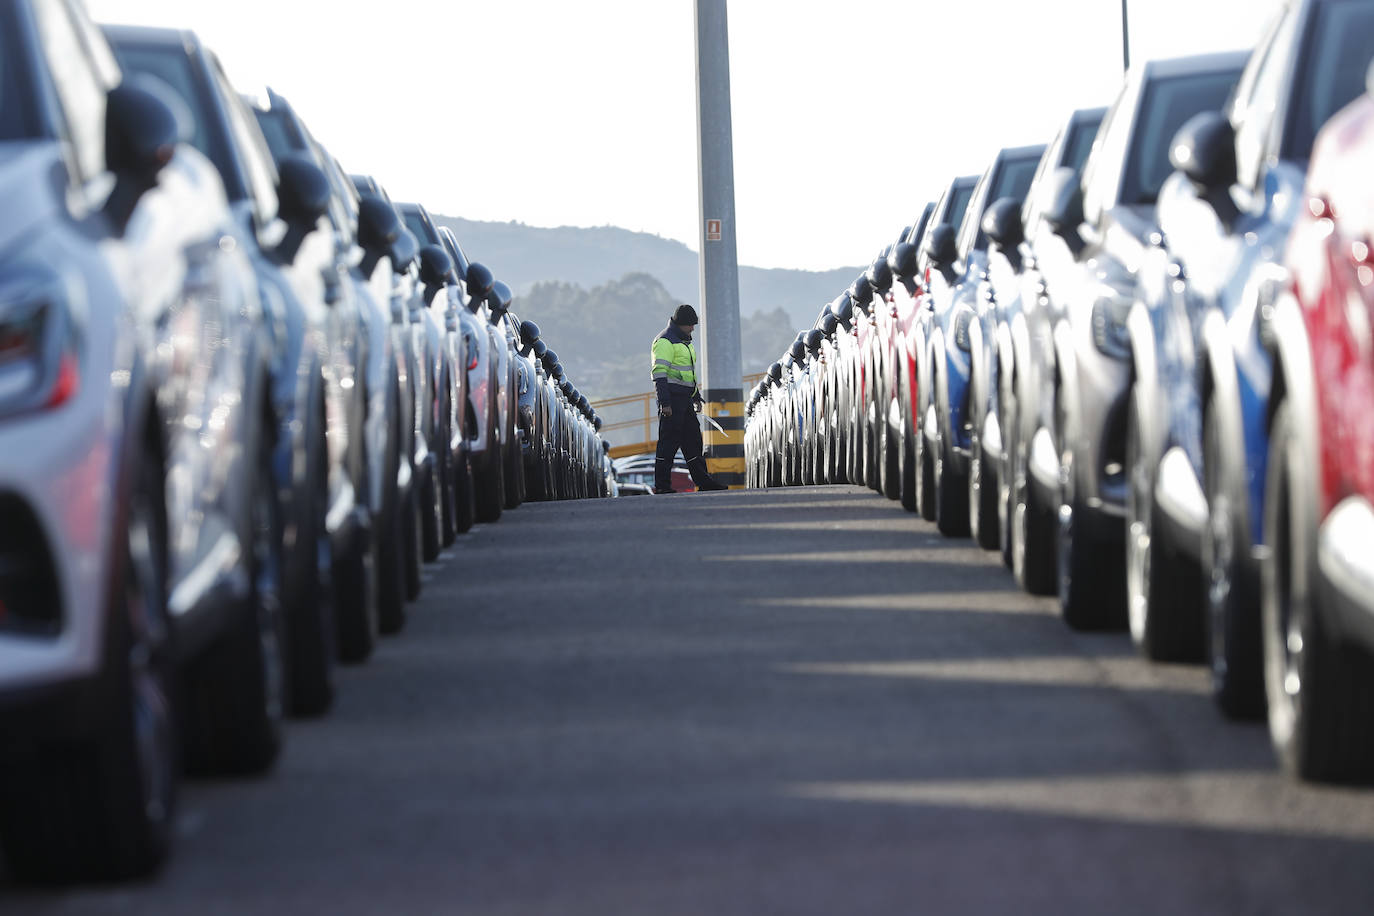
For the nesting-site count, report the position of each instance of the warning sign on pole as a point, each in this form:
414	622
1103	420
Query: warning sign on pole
713	230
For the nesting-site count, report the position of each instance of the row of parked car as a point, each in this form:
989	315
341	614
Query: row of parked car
243	397
1139	362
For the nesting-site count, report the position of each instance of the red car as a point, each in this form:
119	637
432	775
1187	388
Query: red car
1317	567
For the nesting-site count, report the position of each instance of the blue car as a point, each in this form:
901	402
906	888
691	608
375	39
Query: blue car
1200	402
953	294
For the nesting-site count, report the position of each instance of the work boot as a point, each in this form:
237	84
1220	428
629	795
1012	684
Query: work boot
664	491
663	475
704	481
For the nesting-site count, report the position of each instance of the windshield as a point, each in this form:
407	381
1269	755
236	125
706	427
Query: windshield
1080	143
959	198
1167	104
16	112
1339	51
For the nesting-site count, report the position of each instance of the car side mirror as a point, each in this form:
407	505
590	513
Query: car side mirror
141	136
1064	207
378	229
941	248
879	275
861	293
902	262
1204	150
540	348
843	308
303	199
813	340
1003	226
558	371
404	251
775	373
436	269
798	350
479	282
498	301
829	323
550	360
529	333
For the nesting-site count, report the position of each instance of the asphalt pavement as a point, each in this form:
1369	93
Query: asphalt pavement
754	702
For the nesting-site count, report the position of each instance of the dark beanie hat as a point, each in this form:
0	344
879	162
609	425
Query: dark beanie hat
685	314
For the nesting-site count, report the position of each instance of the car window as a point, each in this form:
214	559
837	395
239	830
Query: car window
1012	180
80	87
170	64
1339	48
281	139
252	150
1080	143
1167	104
415	222
1257	102
959	198
968	223
17	117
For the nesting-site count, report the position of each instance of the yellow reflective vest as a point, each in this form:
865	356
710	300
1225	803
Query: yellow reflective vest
674	364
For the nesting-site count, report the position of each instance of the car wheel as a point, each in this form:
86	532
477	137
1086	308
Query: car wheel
1091	585
489	483
925	476
389	538
448	522
1163	586
982	485
1033	523
238	693
355	572
951	490
1320	692
309	612
1006	422
890	456
1233	640
906	466
102	809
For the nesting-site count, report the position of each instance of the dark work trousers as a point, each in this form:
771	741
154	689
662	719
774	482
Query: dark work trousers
680	431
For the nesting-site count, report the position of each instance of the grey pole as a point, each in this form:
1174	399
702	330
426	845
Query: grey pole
1125	37
724	391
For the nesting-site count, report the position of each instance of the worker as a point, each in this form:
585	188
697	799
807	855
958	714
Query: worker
679	402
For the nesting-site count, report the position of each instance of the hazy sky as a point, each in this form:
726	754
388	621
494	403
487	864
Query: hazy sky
848	114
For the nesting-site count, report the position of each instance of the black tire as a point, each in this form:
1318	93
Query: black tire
389	537
1090	571
355	572
310	628
1320	691
428	505
982	489
448	509
489	485
239	690
890	455
414	516
1230	592
1006	423
1163	586
951	491
514	472
907	466
464	502
925	476
102	809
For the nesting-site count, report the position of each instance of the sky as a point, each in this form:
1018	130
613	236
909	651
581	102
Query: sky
848	115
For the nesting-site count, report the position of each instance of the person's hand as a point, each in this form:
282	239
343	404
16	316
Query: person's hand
696	405
665	410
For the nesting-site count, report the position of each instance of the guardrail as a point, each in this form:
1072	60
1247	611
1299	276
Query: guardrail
638	412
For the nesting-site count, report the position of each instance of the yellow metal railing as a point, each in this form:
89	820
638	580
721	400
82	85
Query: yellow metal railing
644	418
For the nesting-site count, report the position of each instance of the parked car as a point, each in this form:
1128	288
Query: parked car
1013	230
278	223
1199	455
1083	284
139	524
953	441
1317	611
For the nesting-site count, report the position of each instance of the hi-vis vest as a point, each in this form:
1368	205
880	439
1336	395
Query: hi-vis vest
677	363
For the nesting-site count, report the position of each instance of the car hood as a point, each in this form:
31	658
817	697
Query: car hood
32	182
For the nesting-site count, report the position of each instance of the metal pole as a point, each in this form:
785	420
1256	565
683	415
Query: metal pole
1125	37
724	393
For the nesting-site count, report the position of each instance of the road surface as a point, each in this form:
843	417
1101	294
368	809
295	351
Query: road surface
754	702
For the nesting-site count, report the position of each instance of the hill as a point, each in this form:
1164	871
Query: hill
524	255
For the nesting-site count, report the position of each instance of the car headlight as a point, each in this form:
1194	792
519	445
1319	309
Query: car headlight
1109	326
39	366
963	321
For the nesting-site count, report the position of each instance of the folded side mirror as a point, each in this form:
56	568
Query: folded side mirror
141	136
479	282
843	309
498	301
404	251
550	360
529	332
797	350
1003	226
436	269
1064	206
540	348
378	229
941	248
829	323
775	373
861	293
813	341
879	275
902	262
1204	150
